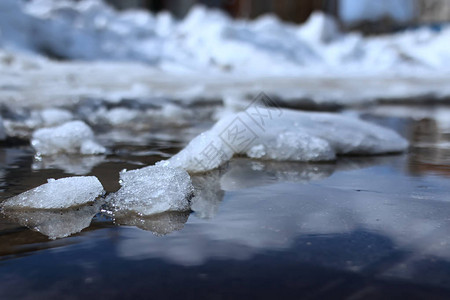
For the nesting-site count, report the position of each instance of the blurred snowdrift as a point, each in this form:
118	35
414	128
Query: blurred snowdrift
208	40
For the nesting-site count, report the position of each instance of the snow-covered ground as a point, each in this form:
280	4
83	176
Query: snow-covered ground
207	55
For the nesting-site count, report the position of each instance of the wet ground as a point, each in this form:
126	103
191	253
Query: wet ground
359	228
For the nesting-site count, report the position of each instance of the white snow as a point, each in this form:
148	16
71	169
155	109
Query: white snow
55	116
284	135
58	194
209	41
71	137
152	190
206	56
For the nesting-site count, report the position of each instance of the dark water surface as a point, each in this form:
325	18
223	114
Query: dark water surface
359	228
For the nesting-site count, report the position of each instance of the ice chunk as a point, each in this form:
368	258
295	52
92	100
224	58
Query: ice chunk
153	190
55	223
285	135
55	116
159	224
57	194
71	137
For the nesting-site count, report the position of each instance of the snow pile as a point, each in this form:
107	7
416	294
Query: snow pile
208	40
284	135
71	137
55	224
55	116
152	190
58	194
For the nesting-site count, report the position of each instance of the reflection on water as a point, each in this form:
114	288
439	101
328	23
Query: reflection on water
160	224
54	223
366	226
431	148
76	165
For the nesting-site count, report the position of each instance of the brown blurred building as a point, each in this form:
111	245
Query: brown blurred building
289	10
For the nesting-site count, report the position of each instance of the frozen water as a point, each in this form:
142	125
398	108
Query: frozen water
285	135
71	137
56	223
152	190
58	194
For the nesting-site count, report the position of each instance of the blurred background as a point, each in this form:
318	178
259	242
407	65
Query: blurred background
366	15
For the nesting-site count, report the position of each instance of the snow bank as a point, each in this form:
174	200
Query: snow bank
71	137
209	41
284	135
55	224
55	116
152	190
58	194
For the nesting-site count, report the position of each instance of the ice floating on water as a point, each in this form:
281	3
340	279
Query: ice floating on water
152	190
58	194
285	135
71	137
56	223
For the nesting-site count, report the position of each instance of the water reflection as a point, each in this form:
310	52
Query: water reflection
70	164
272	217
55	223
370	215
208	194
160	224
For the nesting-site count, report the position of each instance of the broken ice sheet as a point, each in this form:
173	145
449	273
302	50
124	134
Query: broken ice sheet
70	164
285	135
58	194
159	224
55	223
73	137
152	190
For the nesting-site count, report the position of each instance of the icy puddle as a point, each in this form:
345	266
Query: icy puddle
360	227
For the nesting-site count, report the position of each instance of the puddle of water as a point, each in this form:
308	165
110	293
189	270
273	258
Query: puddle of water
364	227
